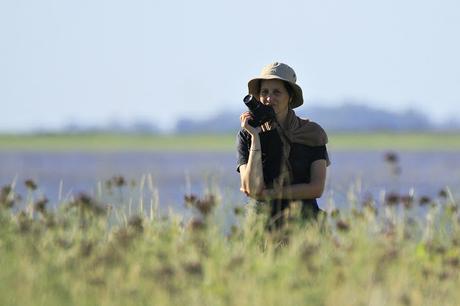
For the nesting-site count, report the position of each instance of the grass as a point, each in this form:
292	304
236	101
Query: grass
219	143
88	253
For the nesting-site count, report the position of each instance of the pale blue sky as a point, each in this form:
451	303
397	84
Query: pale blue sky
93	61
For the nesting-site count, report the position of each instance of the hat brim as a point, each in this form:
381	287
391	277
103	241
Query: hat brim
297	99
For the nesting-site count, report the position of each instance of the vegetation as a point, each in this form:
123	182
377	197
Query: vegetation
213	142
92	251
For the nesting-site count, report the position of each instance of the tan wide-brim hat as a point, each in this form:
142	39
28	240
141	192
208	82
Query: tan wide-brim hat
278	71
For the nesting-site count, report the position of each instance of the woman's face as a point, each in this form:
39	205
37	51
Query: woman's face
274	93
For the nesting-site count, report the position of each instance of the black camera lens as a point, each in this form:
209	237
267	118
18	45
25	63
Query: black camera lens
250	102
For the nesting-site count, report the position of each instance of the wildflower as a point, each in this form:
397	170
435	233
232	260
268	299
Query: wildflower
238	211
30	184
123	236
190	198
40	205
135	223
342	226
391	157
335	213
85	203
193	268
119	181
308	251
5	191
407	201
7	199
442	193
196	224
424	200
204	206
392	199
453	262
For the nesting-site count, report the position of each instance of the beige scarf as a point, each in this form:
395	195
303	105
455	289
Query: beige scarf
297	130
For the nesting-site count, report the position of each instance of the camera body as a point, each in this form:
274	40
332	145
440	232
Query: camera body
261	113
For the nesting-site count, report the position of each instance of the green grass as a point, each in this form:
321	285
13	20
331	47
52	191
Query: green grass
223	143
78	256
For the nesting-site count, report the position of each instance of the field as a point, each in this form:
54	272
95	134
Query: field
114	245
110	142
87	253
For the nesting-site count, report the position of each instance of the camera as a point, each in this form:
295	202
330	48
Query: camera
261	113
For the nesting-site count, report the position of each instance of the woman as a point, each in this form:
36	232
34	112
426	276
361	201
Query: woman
284	160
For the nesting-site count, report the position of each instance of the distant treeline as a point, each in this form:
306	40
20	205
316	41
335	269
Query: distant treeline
344	118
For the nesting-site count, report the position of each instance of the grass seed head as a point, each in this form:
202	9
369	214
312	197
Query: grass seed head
392	199
407	201
443	193
119	181
391	157
136	223
342	226
193	268
196	224
238	211
7	198
40	205
424	200
30	184
204	206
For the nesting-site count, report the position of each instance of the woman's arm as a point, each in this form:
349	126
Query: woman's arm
251	174
311	190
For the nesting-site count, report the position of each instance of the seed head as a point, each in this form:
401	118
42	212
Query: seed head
424	200
391	157
238	211
204	206
342	226
443	193
407	201
30	184
119	181
193	268
196	224
392	199
40	205
135	223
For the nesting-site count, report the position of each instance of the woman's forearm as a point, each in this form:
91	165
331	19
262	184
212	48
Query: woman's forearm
312	190
252	181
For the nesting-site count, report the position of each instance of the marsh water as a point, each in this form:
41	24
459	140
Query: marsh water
61	175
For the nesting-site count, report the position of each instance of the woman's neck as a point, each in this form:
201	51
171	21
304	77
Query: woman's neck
281	117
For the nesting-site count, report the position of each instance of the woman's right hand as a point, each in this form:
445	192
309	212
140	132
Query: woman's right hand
244	118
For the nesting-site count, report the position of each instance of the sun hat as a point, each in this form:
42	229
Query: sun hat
282	72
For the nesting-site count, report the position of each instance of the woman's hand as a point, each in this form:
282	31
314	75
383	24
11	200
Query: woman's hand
244	118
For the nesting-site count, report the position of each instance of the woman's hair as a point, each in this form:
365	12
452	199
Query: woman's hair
288	87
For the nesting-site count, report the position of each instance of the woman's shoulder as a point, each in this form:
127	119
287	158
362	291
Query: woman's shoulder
312	131
311	124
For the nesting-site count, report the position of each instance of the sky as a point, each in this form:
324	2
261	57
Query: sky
92	62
